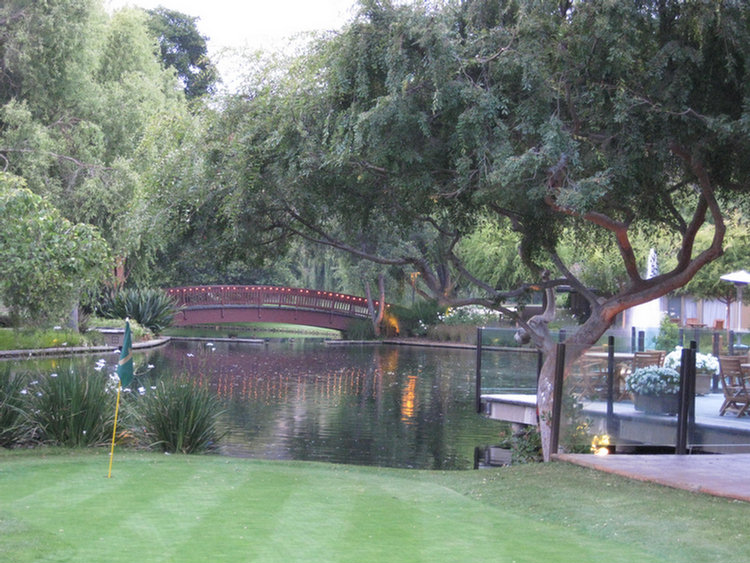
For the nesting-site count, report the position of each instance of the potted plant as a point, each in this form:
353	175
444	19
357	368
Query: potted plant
655	389
706	367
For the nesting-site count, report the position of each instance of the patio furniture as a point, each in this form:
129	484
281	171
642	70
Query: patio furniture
733	382
640	360
648	358
588	378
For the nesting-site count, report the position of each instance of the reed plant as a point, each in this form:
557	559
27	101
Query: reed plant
179	416
14	421
72	408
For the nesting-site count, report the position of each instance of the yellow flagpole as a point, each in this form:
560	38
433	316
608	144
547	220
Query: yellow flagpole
114	430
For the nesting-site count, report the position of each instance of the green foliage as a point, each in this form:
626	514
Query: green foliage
46	261
491	253
415	320
40	338
526	446
360	329
668	336
151	308
179	415
707	283
184	49
79	89
575	434
14	424
72	408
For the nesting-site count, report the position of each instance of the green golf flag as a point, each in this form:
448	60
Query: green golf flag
125	365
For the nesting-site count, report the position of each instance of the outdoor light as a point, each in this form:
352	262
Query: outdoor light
600	445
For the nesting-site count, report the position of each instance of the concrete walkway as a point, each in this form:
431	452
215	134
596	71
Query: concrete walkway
725	475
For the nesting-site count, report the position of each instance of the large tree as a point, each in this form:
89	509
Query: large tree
46	262
600	120
79	93
183	48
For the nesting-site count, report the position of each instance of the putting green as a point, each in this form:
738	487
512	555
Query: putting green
211	509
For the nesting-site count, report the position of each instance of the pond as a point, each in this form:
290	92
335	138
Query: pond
391	406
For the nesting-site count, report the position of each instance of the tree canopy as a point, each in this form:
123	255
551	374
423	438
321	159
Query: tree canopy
183	48
473	145
611	120
46	262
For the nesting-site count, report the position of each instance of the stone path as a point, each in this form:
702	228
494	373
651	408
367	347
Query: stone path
726	475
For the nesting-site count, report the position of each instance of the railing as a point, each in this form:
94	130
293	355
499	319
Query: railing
267	296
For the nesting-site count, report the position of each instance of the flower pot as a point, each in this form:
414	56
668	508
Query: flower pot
703	382
656	404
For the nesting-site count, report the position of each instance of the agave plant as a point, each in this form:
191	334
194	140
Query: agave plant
152	308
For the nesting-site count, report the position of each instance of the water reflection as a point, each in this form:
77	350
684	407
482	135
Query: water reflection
372	405
387	406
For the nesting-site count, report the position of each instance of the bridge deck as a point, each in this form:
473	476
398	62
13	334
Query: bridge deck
254	303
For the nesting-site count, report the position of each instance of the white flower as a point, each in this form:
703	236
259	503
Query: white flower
705	362
53	375
142	390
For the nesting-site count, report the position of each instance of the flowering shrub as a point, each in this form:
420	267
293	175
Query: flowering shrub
469	314
653	380
703	362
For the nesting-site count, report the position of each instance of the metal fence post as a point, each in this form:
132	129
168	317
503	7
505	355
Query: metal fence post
478	389
557	394
611	385
686	404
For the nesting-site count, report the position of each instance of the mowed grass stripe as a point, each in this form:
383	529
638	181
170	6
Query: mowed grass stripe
189	508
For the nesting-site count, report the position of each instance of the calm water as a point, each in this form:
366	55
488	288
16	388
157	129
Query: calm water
391	406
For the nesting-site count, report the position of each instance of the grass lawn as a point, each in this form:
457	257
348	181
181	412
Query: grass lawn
59	506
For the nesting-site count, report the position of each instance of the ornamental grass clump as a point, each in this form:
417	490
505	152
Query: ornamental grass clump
653	381
14	422
179	416
72	408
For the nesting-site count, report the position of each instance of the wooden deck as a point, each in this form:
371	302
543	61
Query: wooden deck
713	433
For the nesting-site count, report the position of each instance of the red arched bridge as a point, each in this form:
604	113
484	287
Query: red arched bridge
217	304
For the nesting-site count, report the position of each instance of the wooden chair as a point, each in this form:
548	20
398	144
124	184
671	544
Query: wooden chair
588	378
648	358
640	360
736	395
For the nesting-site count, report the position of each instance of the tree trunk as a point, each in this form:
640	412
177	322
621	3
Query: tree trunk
371	310
586	336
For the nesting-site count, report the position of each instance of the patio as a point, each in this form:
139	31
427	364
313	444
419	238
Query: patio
630	428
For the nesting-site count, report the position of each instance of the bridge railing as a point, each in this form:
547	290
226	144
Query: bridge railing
270	296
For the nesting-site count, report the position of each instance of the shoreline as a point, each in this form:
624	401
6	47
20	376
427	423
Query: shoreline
77	350
155	343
